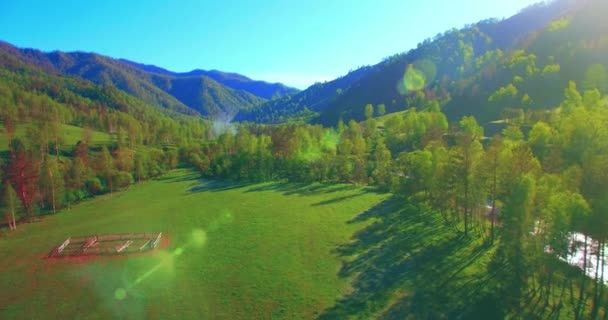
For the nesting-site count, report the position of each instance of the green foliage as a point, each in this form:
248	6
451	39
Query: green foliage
521	193
381	110
122	179
369	111
559	24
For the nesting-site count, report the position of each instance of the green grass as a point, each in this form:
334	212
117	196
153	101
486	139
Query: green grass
269	252
261	251
71	135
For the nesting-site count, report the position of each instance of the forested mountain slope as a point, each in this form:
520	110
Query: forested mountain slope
209	93
486	69
237	81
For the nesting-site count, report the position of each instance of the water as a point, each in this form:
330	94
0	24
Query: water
577	255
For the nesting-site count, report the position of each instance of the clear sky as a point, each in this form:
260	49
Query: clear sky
295	42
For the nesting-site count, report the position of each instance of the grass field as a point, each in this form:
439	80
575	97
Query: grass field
235	252
71	135
261	251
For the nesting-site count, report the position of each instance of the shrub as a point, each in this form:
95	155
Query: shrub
94	185
122	179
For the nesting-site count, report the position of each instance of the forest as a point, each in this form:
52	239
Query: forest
509	146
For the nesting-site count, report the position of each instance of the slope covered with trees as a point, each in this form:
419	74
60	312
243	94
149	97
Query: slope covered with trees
520	197
237	81
503	209
209	93
486	69
43	173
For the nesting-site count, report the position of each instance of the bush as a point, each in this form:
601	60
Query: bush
122	179
94	186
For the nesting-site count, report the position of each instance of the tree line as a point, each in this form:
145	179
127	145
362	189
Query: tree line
527	190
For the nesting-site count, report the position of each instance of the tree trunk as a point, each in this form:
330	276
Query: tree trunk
493	214
603	286
596	288
10	223
12	209
581	296
466	202
56	147
110	184
50	173
14	220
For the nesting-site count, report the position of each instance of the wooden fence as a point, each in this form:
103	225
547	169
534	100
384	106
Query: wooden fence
107	244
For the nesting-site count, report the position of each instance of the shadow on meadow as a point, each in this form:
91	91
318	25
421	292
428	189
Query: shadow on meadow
285	188
409	265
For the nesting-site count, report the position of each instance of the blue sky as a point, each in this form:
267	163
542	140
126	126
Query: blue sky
295	42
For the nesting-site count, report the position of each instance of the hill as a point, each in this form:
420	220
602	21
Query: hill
209	93
538	50
237	81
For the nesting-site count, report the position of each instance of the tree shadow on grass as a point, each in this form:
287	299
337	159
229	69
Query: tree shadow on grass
190	176
286	188
203	185
408	264
306	189
337	199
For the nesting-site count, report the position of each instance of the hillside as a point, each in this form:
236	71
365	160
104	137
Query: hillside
237	81
209	93
462	69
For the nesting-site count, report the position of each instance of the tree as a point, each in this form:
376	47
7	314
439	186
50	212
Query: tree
9	200
51	182
75	178
540	139
510	262
105	166
382	160
142	164
494	164
470	152
381	110
369	111
572	98
420	170
23	172
9	117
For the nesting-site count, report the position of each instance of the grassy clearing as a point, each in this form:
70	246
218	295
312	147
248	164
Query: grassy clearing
71	136
256	251
262	251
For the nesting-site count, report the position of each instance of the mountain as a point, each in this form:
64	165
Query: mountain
493	69
31	94
304	103
531	55
209	93
237	81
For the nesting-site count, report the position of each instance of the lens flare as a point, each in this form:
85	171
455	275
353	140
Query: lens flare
417	76
413	80
120	294
225	218
199	238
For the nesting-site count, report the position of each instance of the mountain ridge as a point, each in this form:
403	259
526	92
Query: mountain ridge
454	60
210	94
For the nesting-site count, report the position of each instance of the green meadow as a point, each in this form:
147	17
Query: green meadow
70	134
258	251
234	252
